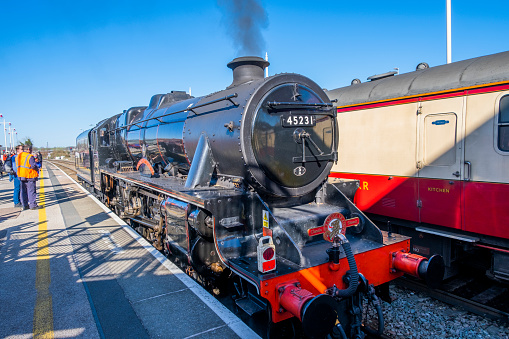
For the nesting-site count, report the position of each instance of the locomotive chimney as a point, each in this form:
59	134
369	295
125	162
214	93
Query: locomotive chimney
247	69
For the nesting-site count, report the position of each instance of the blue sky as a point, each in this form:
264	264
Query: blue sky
65	65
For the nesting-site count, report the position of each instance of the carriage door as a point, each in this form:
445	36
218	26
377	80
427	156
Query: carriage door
439	160
486	184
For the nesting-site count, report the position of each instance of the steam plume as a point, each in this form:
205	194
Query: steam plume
244	21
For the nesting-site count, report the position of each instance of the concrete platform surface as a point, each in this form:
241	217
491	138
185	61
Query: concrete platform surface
73	269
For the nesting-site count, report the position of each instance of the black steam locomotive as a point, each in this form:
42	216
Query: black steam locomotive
234	187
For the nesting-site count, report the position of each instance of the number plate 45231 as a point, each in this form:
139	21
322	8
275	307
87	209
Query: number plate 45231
288	120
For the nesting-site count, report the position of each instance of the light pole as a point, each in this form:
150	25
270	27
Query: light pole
10	137
5	134
448	24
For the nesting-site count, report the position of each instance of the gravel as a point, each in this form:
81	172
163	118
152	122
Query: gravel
414	315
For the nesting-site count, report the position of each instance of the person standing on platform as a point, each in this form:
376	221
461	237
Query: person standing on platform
38	159
3	160
2	168
13	176
28	172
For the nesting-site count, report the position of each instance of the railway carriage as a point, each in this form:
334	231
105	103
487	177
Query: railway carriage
431	151
234	187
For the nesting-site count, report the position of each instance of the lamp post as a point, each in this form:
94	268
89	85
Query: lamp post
10	137
448	29
5	134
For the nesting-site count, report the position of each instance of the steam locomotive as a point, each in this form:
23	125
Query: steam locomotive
234	187
435	158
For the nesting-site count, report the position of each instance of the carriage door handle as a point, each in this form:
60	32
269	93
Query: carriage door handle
456	174
469	170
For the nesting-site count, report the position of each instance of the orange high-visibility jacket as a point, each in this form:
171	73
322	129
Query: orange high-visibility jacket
24	168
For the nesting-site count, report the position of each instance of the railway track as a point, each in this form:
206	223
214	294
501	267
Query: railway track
66	165
476	295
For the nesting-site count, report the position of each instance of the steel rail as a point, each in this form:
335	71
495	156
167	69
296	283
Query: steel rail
450	298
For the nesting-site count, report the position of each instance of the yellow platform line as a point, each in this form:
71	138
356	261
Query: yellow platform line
43	312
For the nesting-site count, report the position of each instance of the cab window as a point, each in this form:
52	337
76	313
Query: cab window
105	137
503	124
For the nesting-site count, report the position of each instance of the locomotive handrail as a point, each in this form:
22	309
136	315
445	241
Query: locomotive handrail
328	110
303	105
228	97
315	158
138	123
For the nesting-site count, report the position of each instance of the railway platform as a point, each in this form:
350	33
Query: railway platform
74	269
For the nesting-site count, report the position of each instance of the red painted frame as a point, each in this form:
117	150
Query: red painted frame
376	265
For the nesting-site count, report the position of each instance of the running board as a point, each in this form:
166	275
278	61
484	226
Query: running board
446	234
249	305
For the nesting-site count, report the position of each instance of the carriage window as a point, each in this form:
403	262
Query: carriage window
503	124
